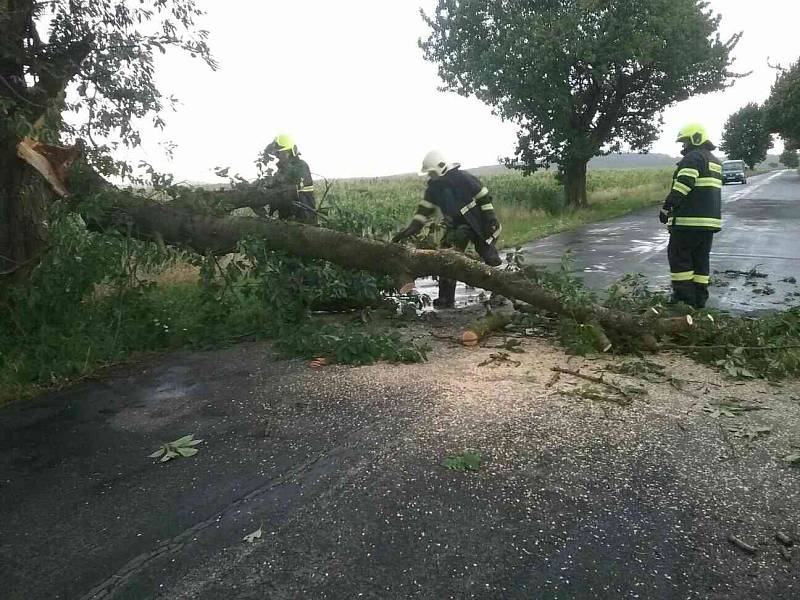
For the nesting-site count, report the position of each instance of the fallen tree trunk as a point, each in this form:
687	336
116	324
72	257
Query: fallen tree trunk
127	212
204	234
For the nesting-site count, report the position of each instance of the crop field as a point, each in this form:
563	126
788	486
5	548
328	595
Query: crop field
528	207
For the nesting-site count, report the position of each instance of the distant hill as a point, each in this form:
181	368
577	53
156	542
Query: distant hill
633	161
612	161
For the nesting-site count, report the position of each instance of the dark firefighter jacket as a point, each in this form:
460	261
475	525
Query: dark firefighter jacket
694	203
299	203
463	200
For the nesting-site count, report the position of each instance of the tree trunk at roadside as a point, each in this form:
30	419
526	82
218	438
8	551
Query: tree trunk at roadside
575	183
22	212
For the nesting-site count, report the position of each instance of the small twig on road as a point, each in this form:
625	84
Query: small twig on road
499	358
593	379
728	443
741	545
553	380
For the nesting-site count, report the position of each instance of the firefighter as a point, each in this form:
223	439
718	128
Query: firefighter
692	211
297	203
468	212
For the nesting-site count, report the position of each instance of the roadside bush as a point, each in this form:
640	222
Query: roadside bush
95	299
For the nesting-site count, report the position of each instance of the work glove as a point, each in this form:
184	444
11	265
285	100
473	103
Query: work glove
492	226
663	216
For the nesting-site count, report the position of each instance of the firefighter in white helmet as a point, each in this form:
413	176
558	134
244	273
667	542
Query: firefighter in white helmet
468	212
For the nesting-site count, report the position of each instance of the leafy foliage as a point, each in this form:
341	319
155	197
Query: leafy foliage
782	108
746	136
96	298
789	158
182	447
350	344
102	53
794	457
741	346
579	78
469	461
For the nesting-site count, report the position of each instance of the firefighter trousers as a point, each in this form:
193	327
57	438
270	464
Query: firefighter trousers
458	238
690	265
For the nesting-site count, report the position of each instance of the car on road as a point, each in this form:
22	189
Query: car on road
733	170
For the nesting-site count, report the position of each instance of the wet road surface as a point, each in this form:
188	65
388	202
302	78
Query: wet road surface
340	470
761	229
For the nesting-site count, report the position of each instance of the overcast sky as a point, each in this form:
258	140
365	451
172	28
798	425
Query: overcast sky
347	79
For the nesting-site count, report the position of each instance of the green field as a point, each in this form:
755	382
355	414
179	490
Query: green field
528	207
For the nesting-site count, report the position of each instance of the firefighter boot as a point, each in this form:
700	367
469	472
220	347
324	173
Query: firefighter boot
700	294
447	294
683	291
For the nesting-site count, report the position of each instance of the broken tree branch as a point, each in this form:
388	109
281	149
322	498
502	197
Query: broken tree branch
593	379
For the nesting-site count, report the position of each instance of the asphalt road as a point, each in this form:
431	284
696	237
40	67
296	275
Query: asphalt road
761	226
761	223
340	470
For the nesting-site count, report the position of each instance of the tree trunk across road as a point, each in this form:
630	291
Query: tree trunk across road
147	219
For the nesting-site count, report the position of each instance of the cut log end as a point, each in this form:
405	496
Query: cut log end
469	339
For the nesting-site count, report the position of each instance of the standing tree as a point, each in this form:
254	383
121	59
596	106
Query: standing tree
746	136
91	58
782	109
580	78
790	159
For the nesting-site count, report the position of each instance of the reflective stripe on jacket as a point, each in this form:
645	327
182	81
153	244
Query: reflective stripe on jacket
462	199
695	201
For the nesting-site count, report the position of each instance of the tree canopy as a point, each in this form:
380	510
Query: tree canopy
579	78
790	159
95	59
746	136
782	109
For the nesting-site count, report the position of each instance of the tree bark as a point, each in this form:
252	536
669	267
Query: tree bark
575	183
22	210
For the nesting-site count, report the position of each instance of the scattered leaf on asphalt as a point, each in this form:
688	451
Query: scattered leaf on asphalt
468	461
793	458
252	537
749	432
730	409
183	446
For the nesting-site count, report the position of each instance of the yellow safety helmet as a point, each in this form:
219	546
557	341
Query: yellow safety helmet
285	143
694	134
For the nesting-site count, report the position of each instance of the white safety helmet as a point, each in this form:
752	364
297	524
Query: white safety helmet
435	162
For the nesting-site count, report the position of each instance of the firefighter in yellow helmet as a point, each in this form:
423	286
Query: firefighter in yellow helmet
293	176
469	216
692	211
